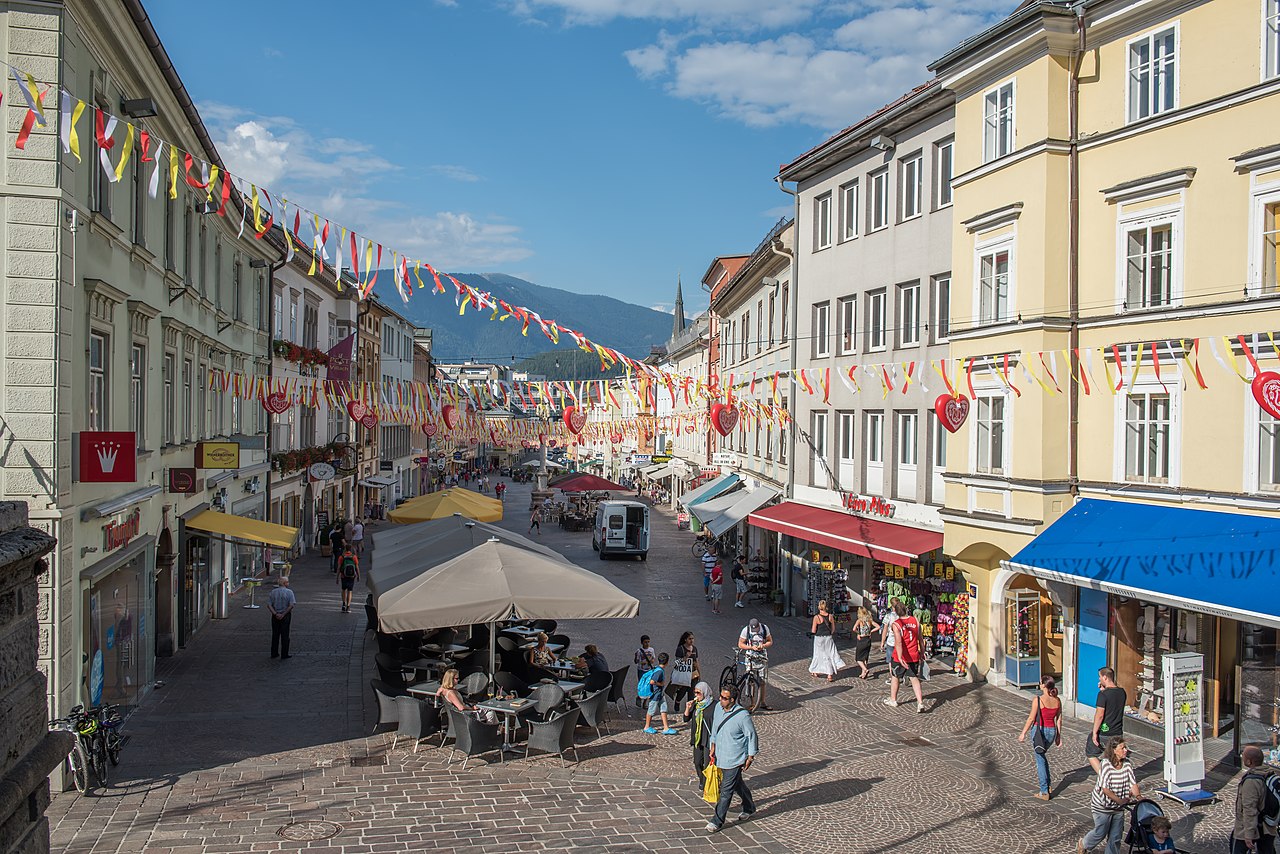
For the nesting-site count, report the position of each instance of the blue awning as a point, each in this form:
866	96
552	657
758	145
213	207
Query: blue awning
1225	564
708	490
705	508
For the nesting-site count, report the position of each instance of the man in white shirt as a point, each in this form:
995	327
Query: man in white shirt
709	560
886	636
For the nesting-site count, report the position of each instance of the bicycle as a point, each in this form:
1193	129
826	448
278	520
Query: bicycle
705	544
749	684
88	756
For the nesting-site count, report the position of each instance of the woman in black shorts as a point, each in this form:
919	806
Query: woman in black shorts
863	629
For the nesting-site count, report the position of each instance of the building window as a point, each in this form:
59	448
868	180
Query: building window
944	171
822	221
876	316
1153	67
187	241
746	336
941	308
874	435
169	253
101	183
1148	265
202	411
847	318
909	314
997	127
310	327
278	305
1270	278
260	304
186	398
849	210
990	429
1268	452
237	297
217	276
138	392
293	320
911	170
202	272
993	284
818	441
784	330
1148	431
821	330
772	312
169	403
847	447
99	370
907	463
235	415
1271	23
938	460
139	201
880	199
759	326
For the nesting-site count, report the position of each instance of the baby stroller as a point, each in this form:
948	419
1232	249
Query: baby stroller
1139	836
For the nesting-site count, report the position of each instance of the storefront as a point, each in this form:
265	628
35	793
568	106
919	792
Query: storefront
706	490
119	609
1152	581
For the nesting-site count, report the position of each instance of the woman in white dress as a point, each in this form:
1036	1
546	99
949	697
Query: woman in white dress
826	661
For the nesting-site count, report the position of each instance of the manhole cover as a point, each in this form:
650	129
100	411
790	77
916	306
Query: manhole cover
309	831
368	761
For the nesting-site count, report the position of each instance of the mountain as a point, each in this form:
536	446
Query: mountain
623	326
568	365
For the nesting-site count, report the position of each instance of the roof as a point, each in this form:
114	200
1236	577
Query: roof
1025	12
731	264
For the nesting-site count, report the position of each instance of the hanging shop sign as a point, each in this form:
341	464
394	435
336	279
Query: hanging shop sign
386	465
322	471
183	481
724	458
118	534
872	505
217	455
108	456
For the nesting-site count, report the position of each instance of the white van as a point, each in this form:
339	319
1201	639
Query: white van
622	528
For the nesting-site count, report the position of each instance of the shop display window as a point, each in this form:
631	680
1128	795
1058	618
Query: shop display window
1260	689
119	654
1023	634
1142	634
930	588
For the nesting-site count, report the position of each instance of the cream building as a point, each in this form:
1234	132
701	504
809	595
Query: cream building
1118	185
115	307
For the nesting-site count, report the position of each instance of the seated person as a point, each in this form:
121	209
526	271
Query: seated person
1159	839
592	660
541	655
448	691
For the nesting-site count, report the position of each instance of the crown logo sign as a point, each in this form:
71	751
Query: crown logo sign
107	452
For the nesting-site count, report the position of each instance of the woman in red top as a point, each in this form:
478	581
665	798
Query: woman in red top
906	656
717	585
1045	714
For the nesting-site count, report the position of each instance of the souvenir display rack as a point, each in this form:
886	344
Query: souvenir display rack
1022	634
832	584
960	613
929	589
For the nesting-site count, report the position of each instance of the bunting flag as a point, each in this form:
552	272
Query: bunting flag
34	116
70	118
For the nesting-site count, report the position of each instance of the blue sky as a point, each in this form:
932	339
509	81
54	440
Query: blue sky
600	146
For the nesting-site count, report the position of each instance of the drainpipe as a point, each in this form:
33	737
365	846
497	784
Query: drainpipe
791	382
1073	258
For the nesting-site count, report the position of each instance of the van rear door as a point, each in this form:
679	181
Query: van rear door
616	529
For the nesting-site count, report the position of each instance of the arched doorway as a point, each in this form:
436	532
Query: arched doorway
1029	618
162	619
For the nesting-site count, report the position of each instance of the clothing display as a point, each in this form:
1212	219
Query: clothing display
929	590
833	586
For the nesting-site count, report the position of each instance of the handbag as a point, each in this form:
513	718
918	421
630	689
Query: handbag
1038	740
711	790
682	673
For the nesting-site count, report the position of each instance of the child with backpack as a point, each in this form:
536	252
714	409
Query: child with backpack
652	687
348	574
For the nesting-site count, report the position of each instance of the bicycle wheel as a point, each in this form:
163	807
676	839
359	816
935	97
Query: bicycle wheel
699	548
114	742
728	677
749	693
79	775
98	762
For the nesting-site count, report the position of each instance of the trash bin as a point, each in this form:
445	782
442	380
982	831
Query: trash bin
221	600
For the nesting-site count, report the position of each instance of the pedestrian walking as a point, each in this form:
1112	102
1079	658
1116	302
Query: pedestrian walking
907	660
280	602
500	490
1043	724
684	669
700	713
887	639
754	640
535	520
655	681
717	587
357	535
348	575
1116	787
645	657
709	561
826	660
1108	716
734	745
337	541
348	530
1251	833
739	576
863	629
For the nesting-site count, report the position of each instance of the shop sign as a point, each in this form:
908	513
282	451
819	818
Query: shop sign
118	534
642	459
217	455
660	458
871	504
710	471
724	458
183	481
108	456
322	471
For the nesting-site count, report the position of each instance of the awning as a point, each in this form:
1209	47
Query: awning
745	503
884	541
649	470
240	528
711	507
1202	560
659	472
708	490
379	481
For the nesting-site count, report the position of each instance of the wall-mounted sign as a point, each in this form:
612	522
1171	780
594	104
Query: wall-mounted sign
108	457
322	471
217	455
870	504
660	458
386	465
118	534
724	458
183	481
641	459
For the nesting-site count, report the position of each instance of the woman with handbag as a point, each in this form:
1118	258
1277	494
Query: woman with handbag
684	672
1042	723
700	711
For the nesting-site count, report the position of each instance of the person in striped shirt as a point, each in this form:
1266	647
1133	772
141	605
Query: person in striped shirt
1117	785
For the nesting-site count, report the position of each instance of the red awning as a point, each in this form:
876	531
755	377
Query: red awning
884	541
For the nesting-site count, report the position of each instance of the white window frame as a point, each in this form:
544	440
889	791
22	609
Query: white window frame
987	396
138	391
937	460
1260	199
941	312
847	321
822	221
1254	419
1138	109
878	211
818	475
849	210
1005	243
169	393
99	402
1169	215
847	436
1148	386
906	440
1270	39
821	330
909	304
877	306
999	126
911	185
944	159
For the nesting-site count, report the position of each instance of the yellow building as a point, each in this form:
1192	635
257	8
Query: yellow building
1117	194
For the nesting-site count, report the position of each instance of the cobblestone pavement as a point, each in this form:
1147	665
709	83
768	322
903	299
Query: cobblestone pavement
239	752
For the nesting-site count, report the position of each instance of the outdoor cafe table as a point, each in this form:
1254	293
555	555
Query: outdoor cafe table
426	690
510	710
570	688
523	631
451	649
559	667
554	647
425	664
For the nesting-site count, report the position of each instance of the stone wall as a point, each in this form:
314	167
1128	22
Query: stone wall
28	751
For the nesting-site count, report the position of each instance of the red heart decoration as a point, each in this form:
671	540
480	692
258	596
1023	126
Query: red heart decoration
277	402
450	416
690	427
615	438
551	443
357	410
526	444
370	419
575	419
430	428
474	441
953	410
1266	390
724	418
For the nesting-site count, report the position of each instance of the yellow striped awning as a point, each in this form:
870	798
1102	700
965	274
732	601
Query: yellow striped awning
240	528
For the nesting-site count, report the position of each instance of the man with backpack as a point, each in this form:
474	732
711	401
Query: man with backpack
906	656
348	574
653	687
1257	806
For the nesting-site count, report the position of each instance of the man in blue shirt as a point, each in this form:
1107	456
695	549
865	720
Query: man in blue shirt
733	748
280	603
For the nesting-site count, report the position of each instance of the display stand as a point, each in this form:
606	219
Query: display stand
832	585
1022	658
929	589
759	580
1183	681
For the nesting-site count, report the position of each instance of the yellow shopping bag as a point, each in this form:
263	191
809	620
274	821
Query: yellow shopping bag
711	791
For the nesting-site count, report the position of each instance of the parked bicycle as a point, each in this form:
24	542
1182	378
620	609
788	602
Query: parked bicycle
705	544
98	742
742	675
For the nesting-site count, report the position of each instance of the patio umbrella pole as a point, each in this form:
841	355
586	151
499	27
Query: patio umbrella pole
492	653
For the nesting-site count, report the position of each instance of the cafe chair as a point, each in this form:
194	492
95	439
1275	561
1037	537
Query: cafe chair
563	640
547	626
386	694
389	669
511	683
472	737
617	691
597	681
547	699
554	736
370	617
593	708
474	684
417	719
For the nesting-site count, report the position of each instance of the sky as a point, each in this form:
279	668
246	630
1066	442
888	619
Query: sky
599	146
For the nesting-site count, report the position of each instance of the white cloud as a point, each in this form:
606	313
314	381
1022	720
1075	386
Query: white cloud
456	173
744	14
249	145
456	241
664	307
